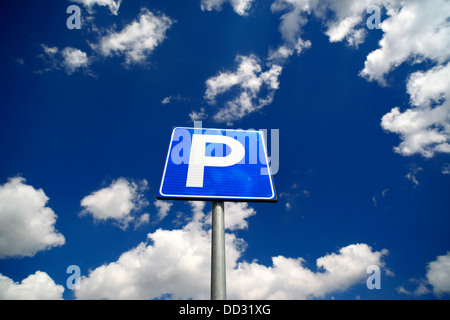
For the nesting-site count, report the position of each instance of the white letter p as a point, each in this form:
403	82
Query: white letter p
198	160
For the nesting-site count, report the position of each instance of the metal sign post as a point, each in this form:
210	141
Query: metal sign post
218	263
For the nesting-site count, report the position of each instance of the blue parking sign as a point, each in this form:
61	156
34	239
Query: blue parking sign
217	164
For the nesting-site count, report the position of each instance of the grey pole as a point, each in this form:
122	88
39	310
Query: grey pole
218	269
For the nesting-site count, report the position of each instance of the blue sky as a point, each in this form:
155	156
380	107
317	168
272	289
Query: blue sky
364	143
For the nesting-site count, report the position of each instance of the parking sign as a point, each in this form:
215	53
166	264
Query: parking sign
217	164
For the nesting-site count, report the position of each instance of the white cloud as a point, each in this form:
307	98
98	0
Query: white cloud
172	99
142	220
287	50
437	277
198	115
344	29
50	50
241	7
344	20
166	100
250	81
118	202
113	5
176	263
291	27
425	128
69	59
27	225
412	174
375	198
293	20
414	30
421	289
292	195
438	274
236	215
350	16
245	76
446	169
163	208
136	42
38	286
74	59
197	208
138	39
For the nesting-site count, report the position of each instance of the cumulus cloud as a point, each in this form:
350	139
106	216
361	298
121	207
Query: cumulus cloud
138	39
414	30
288	278
118	202
421	289
438	274
142	220
74	59
237	214
291	27
241	7
349	18
343	20
27	225
437	277
113	5
163	208
252	88
69	59
38	286
425	128
198	115
176	264
250	82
